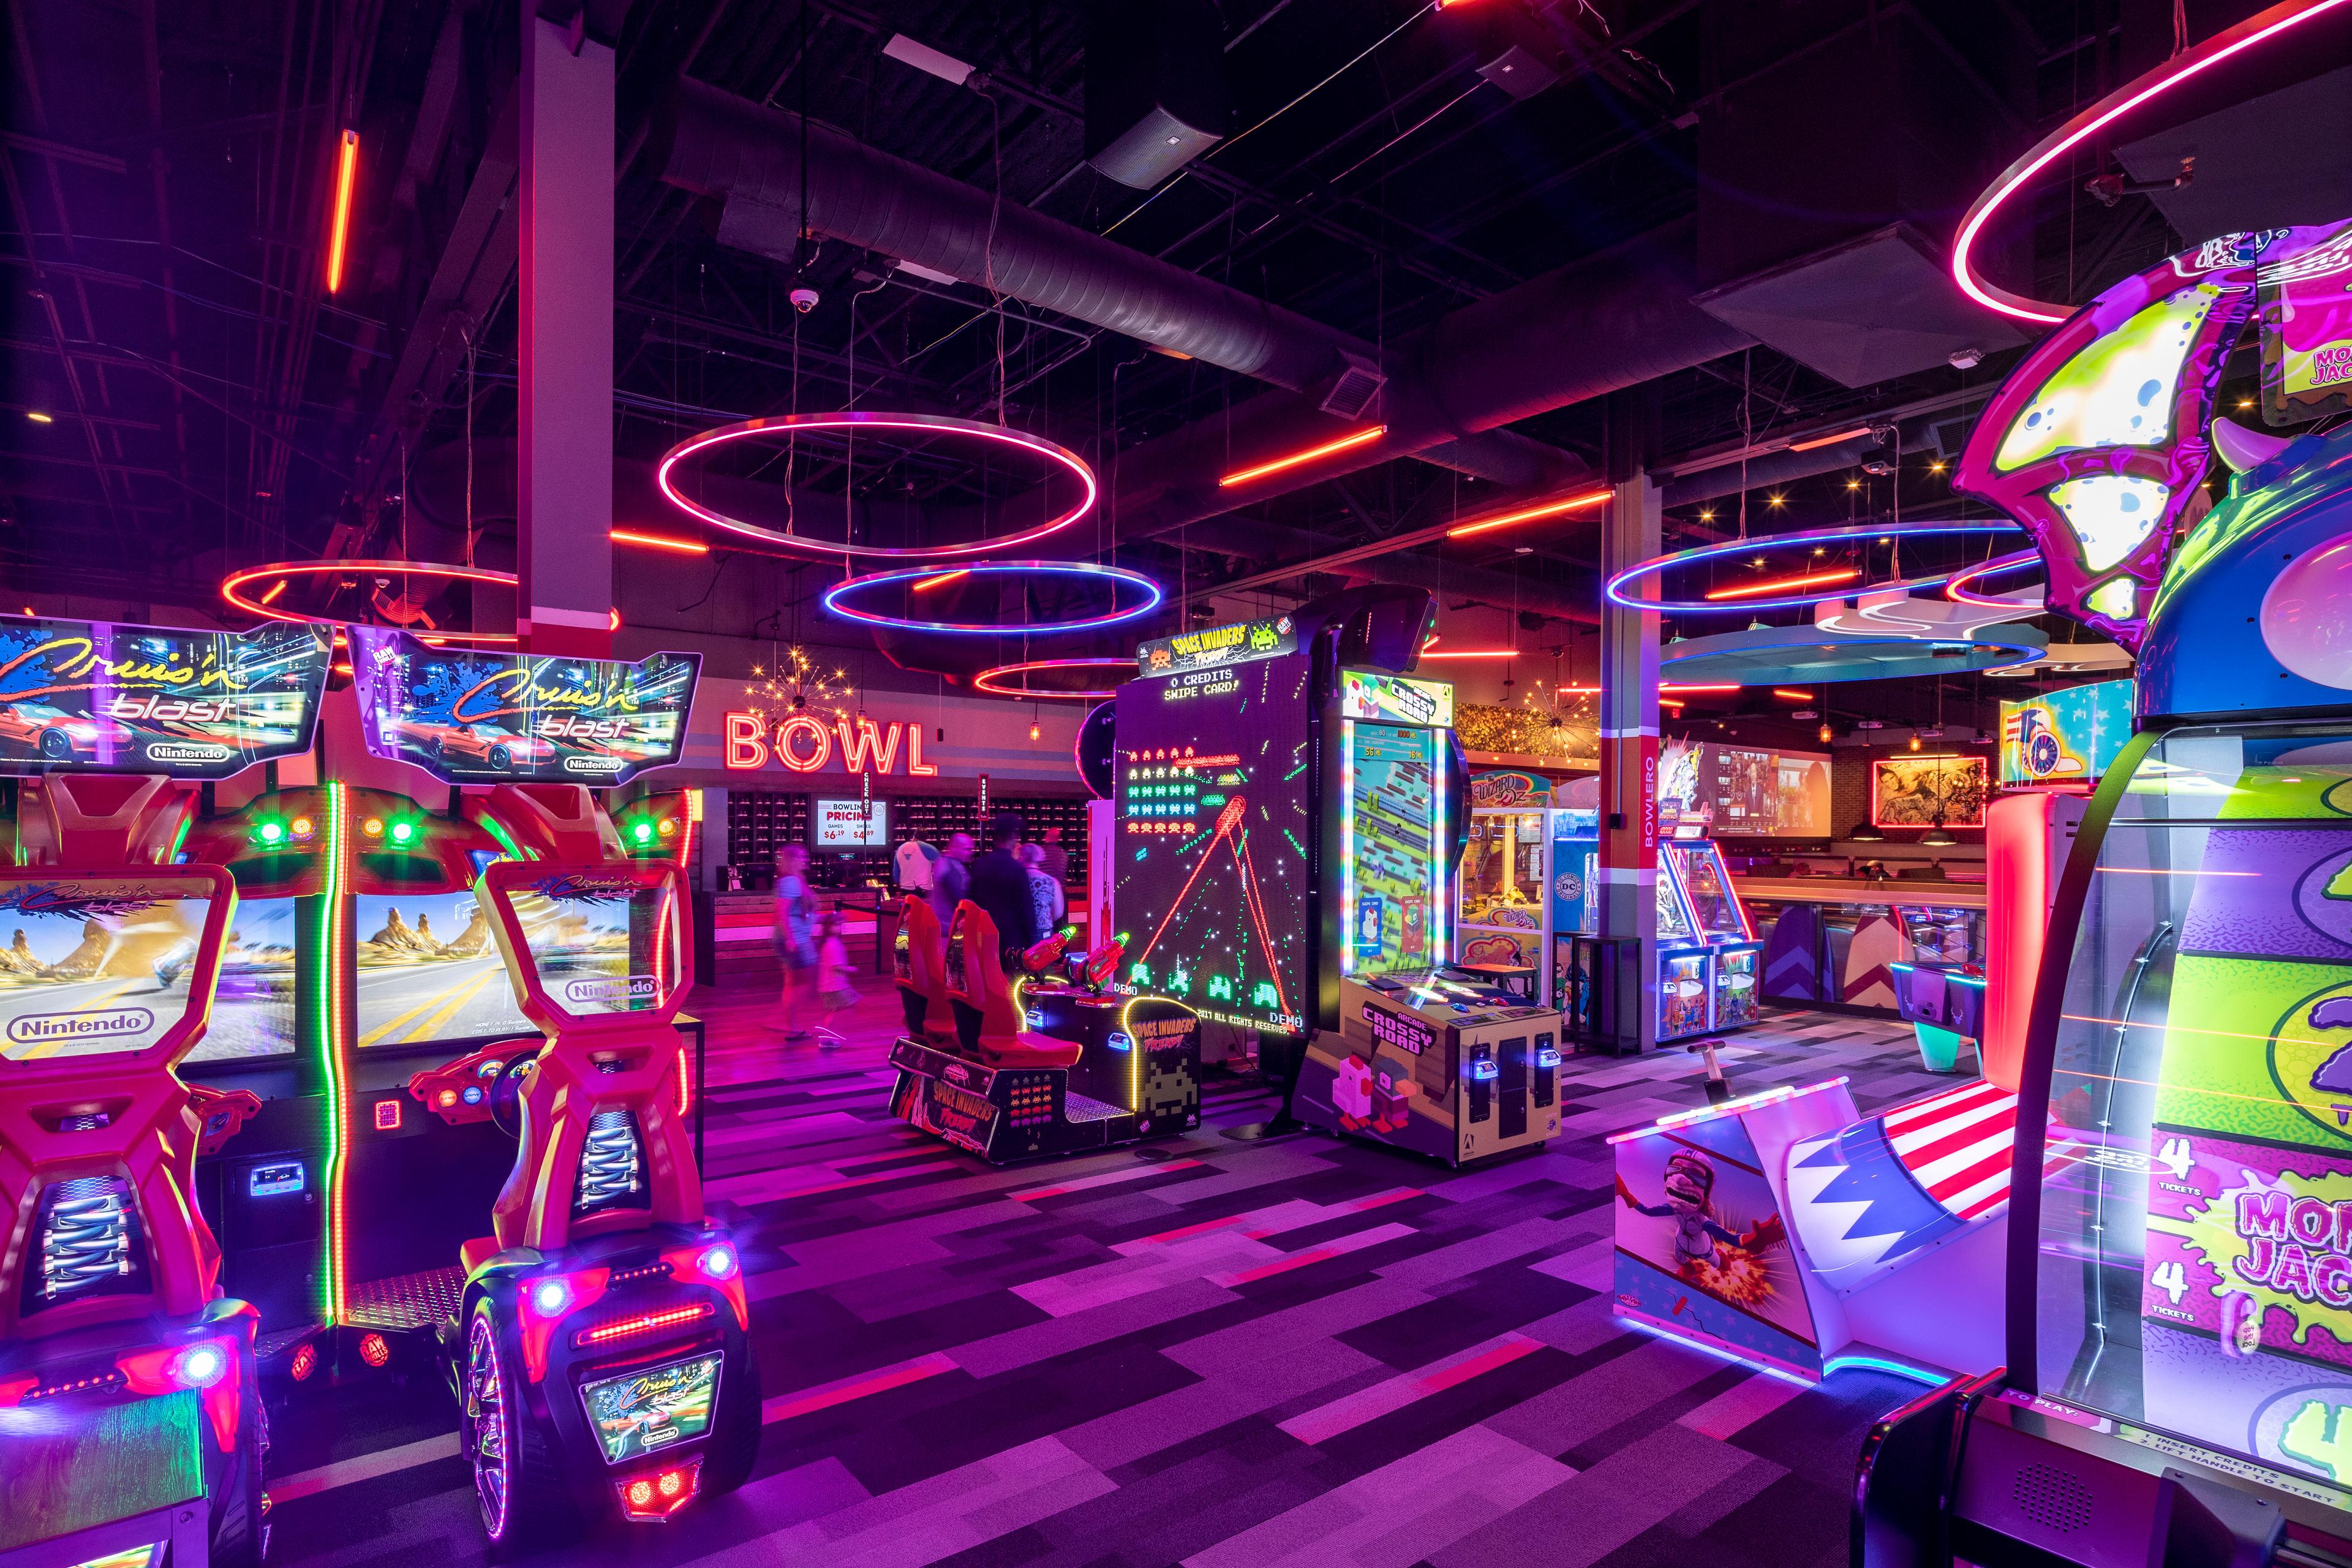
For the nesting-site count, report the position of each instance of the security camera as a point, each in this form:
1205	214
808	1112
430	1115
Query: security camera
804	300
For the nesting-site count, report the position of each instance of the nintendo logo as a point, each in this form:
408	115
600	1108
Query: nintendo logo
607	992
51	1029
592	764
187	752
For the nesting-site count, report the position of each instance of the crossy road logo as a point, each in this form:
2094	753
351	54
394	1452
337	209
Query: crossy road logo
613	992
61	1028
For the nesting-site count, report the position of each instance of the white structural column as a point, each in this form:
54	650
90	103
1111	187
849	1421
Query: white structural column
1629	761
563	539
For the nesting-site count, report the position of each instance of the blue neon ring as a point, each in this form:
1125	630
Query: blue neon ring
1657	565
1091	570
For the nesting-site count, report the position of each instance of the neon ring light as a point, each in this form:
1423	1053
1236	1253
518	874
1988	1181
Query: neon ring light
2252	33
993	681
1079	570
1658	565
934	423
232	590
1959	589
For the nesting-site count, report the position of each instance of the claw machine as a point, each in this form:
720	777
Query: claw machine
1710	962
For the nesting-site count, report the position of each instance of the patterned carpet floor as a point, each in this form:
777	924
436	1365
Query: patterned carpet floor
1220	1352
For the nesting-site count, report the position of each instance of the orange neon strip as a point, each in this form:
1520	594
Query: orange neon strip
271	597
347	170
1670	702
1783	692
1855	434
1356	439
1550	509
1810	580
660	542
941	580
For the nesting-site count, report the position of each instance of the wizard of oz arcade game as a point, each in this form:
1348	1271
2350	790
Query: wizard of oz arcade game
2178	1376
428	1027
130	1395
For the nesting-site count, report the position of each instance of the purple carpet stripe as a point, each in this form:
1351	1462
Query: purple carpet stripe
841	1390
1135	1173
1346	1413
1338	1247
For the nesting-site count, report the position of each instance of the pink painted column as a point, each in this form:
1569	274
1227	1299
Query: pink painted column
564	542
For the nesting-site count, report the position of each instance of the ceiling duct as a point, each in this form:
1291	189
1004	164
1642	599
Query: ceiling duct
1156	94
1351	395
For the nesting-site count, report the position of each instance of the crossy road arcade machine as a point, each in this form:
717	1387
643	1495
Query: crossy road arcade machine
2178	1384
1290	809
131	1426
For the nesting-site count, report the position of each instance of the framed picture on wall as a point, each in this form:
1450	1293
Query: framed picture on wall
1926	791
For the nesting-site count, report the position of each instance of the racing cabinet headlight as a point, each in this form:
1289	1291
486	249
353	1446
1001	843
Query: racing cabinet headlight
550	1296
718	1262
200	1367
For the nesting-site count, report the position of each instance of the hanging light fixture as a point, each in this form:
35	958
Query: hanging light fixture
1937	837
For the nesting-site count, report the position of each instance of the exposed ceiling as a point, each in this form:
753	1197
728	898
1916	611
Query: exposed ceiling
169	172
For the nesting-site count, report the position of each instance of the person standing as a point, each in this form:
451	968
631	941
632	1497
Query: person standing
1000	884
1057	860
1045	894
836	990
796	945
951	879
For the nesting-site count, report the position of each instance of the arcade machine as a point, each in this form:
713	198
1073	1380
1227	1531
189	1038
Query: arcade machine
1524	877
2178	1380
1035	1063
1896	1228
427	1021
1708	956
129	1382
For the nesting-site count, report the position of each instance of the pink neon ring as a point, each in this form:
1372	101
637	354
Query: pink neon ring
2221	46
1957	589
235	581
980	682
852	420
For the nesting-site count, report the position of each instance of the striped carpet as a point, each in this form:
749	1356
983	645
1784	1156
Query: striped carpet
1219	1353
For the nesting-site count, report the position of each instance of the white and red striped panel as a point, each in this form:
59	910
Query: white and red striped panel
1957	1145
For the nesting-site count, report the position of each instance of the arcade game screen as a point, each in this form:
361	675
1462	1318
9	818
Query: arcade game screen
253	1005
429	970
1394	877
1214	824
1707	885
90	971
598	945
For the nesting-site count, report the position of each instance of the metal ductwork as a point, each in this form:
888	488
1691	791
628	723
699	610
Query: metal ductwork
1448	388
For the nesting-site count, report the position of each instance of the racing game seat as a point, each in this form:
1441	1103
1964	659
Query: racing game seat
918	956
988	1015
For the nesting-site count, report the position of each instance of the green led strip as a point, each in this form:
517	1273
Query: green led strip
327	989
180	839
506	840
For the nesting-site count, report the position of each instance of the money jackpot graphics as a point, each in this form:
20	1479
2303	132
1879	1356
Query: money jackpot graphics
2246	1290
90	695
475	718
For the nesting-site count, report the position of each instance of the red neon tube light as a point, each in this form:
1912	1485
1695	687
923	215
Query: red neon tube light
1356	438
1857	434
1809	580
1529	514
644	1323
942	580
660	542
1472	653
347	168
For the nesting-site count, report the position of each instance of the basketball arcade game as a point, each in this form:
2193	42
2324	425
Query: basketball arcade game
129	1394
2178	1375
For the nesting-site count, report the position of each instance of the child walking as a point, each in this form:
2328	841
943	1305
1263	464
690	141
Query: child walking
835	992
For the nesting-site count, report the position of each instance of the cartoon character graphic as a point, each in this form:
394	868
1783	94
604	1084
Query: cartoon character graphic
1263	636
1700	1240
1392	1092
1160	659
1352	1092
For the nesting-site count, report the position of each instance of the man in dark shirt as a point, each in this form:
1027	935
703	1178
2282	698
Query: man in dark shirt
1000	884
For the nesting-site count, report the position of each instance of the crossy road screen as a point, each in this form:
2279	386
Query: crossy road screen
1212	848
